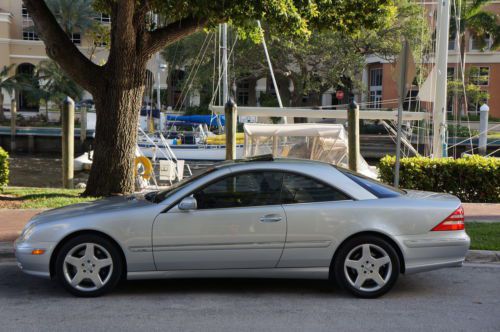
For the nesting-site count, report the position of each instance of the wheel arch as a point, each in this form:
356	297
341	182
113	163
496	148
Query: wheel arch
372	233
55	252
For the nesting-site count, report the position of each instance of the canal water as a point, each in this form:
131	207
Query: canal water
33	170
45	170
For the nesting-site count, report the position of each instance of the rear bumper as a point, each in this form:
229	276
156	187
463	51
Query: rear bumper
37	265
434	251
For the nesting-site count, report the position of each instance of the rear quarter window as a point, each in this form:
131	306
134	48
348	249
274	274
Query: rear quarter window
378	189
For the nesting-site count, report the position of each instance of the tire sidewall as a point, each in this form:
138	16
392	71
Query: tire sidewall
89	238
338	266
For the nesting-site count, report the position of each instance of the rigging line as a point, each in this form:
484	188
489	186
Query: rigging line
186	85
498	140
470	138
489	154
196	70
220	76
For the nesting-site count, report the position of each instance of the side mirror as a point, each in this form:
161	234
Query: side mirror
188	203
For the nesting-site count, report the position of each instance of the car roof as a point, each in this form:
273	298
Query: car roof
268	158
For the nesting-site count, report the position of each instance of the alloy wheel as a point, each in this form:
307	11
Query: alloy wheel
88	267
368	267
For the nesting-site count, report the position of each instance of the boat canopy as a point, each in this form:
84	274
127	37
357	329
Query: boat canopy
210	120
314	141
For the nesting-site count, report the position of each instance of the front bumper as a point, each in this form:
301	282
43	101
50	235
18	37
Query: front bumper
434	251
37	265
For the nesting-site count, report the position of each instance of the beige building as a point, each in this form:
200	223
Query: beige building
21	47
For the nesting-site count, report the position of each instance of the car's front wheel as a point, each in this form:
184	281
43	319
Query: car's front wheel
88	265
367	266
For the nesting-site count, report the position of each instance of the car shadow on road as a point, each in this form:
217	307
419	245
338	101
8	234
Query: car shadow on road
15	283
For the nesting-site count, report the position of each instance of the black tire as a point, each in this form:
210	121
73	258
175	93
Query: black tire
341	275
116	271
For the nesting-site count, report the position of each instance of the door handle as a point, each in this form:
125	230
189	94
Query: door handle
270	218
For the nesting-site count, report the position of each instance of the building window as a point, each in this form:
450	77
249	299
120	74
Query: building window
479	75
451	44
478	45
375	88
24	12
29	32
376	77
30	35
450	73
76	38
103	18
243	92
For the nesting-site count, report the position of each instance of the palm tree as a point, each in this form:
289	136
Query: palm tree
11	84
73	15
470	16
55	85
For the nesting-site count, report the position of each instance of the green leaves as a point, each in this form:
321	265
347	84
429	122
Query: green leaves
4	168
472	179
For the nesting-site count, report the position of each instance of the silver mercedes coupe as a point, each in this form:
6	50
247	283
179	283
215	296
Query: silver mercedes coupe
263	218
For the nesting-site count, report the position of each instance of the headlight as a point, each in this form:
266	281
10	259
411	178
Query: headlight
26	233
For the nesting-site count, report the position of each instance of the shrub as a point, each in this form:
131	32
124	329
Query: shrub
4	168
472	179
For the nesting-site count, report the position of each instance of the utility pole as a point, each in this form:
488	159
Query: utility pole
68	139
353	135
439	144
402	95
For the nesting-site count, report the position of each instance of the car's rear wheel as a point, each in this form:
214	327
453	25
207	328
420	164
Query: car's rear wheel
88	265
367	266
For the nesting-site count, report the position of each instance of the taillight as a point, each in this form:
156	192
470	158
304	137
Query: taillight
454	222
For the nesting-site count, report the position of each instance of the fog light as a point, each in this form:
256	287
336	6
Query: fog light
38	251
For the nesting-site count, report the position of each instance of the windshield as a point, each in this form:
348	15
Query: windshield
375	187
158	196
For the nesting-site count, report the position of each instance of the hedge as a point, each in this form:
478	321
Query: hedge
4	168
472	179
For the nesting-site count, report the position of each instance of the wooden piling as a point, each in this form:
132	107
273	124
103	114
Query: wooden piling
231	115
353	135
13	116
68	138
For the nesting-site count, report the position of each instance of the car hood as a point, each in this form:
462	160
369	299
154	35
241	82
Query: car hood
110	204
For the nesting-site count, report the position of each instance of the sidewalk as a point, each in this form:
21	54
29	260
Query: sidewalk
483	212
12	221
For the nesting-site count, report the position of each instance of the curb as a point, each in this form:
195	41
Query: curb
473	256
483	256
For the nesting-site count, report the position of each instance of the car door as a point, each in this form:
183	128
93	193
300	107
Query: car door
314	209
238	224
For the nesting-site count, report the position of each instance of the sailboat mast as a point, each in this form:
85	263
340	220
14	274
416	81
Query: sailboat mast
225	85
439	144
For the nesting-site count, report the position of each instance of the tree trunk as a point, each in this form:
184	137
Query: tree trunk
117	107
2	115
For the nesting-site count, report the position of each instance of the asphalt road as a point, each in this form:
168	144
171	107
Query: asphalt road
460	299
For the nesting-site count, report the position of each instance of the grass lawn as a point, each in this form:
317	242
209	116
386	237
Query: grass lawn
39	198
484	236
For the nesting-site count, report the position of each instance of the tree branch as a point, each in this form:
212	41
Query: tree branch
172	32
60	48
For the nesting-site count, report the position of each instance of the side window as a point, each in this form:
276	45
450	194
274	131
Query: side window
301	189
240	190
